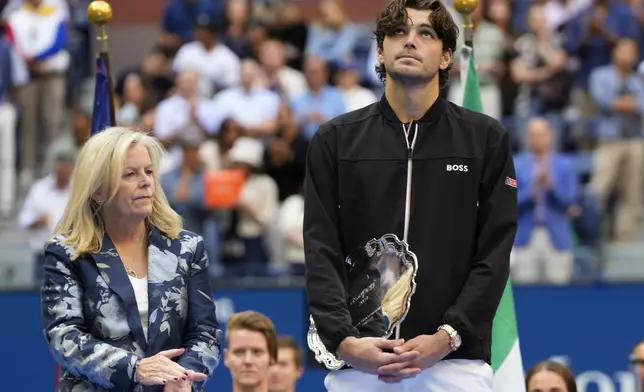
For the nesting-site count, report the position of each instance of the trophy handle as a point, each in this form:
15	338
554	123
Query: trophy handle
322	355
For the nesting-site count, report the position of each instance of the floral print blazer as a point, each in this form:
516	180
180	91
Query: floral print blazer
91	320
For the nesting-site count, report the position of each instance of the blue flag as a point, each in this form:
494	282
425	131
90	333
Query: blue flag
101	111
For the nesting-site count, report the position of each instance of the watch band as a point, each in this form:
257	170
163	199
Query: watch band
454	337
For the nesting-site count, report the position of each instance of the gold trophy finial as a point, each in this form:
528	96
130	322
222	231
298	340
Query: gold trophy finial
465	7
99	12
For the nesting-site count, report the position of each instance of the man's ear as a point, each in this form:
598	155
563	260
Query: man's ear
446	60
381	56
226	357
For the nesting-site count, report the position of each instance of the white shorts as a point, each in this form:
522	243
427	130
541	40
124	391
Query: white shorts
454	375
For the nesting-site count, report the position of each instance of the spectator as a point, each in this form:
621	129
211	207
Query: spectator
591	36
321	102
237	21
44	206
550	376
58	5
180	17
285	155
185	108
619	93
70	141
333	38
257	207
548	189
251	105
217	64
637	362
289	83
183	185
489	43
290	28
8	120
135	102
290	225
215	151
347	78
539	69
39	35
289	367
500	14
251	348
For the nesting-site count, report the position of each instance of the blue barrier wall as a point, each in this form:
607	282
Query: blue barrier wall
593	328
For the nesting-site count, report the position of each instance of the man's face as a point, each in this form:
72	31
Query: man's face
625	54
315	71
413	54
247	358
285	373
203	35
63	170
539	136
638	355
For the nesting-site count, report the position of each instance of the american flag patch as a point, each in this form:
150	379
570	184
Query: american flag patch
511	182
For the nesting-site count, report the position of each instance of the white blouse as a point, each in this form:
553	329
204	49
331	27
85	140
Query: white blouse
140	286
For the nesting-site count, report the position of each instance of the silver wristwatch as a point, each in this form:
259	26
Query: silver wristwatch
454	337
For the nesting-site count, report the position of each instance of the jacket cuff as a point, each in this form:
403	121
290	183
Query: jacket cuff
341	334
457	320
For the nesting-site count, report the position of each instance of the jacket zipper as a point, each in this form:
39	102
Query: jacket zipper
410	168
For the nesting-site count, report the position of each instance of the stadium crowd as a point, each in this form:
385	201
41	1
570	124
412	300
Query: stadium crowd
240	86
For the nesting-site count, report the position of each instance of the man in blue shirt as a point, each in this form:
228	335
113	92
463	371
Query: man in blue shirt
180	19
618	93
7	131
321	102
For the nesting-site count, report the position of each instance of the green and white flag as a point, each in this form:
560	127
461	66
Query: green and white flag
506	354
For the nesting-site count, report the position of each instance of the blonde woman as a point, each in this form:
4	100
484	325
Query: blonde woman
126	299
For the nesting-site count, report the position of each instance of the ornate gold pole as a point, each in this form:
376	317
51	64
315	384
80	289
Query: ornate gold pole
465	8
99	12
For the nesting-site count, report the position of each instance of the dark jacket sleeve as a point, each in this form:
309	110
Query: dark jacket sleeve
496	225
325	271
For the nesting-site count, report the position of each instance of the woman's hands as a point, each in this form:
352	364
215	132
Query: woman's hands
160	369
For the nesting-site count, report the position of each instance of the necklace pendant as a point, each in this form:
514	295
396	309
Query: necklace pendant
131	272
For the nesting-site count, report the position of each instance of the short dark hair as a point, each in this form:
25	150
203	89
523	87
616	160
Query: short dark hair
555	367
251	320
290	343
395	14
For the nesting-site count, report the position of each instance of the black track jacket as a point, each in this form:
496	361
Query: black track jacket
463	216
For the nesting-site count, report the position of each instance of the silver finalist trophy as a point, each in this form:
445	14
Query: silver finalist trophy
382	279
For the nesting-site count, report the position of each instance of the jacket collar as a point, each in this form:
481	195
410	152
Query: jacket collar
434	112
111	268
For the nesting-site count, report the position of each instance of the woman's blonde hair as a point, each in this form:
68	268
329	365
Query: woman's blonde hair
99	167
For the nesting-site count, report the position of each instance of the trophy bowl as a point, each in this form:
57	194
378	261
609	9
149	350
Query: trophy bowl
381	281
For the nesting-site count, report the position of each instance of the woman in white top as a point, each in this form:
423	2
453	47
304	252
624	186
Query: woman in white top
126	300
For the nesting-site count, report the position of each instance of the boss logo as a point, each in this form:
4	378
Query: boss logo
461	168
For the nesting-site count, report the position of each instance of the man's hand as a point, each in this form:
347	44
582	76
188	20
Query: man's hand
367	355
625	104
431	349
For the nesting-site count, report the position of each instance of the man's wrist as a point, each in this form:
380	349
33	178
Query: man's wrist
445	341
345	345
453	338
